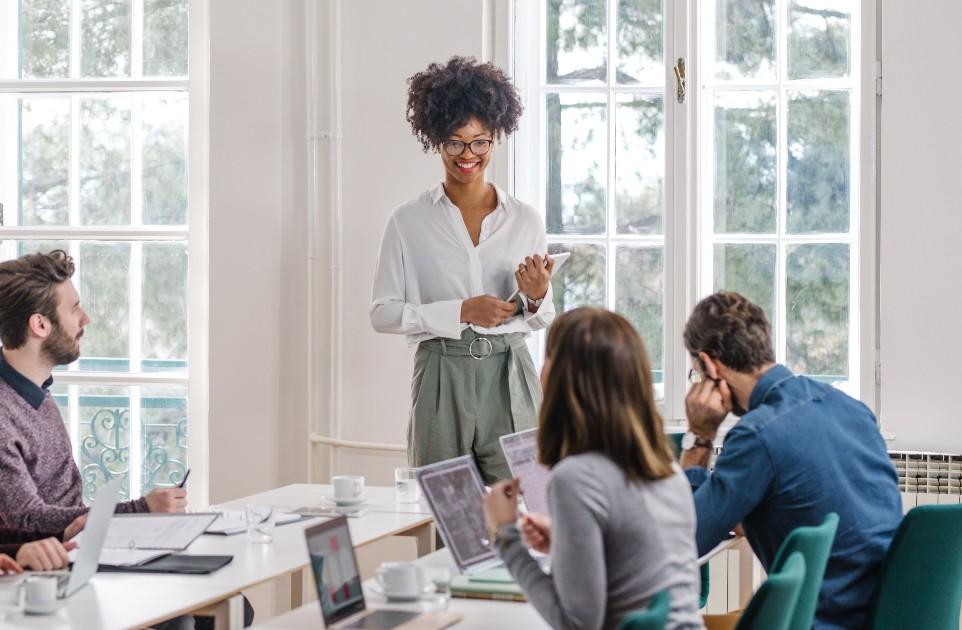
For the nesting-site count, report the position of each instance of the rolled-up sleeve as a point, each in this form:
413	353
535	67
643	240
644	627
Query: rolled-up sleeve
742	477
391	313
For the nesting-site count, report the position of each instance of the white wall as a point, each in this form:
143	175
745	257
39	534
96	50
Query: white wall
921	224
382	167
257	423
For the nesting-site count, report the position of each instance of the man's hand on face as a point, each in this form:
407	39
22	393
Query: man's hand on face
707	405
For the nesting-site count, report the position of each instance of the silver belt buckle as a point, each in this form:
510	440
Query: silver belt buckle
483	355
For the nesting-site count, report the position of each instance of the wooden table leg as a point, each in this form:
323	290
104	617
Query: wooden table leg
424	534
297	589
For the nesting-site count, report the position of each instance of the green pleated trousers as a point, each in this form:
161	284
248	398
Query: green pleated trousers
466	394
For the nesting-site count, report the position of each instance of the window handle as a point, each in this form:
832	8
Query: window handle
680	79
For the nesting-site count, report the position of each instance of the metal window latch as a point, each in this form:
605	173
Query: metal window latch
680	79
1	214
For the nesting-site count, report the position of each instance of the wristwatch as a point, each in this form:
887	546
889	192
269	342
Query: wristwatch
535	303
690	441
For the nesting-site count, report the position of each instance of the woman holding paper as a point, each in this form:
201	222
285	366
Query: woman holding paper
622	518
450	259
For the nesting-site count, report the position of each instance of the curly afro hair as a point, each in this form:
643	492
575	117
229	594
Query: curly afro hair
443	98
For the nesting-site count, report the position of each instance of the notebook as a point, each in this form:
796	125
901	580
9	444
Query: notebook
134	540
494	583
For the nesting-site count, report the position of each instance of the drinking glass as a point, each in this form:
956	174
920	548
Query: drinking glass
406	485
260	523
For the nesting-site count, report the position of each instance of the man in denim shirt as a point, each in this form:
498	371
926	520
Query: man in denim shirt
801	450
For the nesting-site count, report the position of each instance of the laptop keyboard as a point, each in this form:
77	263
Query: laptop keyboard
384	619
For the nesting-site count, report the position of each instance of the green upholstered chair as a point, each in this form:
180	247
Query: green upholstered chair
773	605
675	438
652	618
920	580
815	544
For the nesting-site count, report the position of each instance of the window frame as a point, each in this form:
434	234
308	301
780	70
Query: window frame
689	240
194	234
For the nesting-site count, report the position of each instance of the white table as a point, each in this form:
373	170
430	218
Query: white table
124	600
478	614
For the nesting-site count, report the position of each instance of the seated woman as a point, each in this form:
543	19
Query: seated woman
622	519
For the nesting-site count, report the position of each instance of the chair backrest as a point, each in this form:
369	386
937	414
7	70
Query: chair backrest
772	607
652	618
920	580
815	544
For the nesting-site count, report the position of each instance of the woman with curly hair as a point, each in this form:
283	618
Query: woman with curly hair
449	259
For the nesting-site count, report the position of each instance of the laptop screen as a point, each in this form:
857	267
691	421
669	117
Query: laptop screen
334	565
455	493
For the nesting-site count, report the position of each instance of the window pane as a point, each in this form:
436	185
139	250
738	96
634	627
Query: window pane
165	160
818	162
45	38
104	438
577	38
640	297
165	38
745	40
581	282
640	164
819	38
163	413
640	42
40	247
749	270
745	162
105	161
164	316
818	306
105	294
105	38
577	161
45	161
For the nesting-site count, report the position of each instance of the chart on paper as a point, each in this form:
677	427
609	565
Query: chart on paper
521	452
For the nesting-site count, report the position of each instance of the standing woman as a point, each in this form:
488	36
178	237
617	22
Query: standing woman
449	259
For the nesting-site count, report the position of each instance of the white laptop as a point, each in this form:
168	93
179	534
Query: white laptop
339	591
455	494
92	540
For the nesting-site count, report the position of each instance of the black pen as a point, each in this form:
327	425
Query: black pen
184	480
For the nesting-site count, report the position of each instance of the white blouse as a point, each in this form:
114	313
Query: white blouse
428	266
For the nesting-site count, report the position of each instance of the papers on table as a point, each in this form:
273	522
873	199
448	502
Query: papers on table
235	521
129	557
169	532
521	452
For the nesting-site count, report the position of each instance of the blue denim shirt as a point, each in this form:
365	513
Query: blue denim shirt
805	449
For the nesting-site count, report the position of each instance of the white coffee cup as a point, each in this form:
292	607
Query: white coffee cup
11	594
348	487
401	579
40	593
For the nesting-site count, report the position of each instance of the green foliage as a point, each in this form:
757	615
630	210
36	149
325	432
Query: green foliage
819	39
744	38
45	33
105	161
640	154
45	162
641	294
105	38
165	38
104	281
818	303
164	324
640	41
749	270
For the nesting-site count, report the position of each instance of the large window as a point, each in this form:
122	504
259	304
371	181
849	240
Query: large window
93	160
744	182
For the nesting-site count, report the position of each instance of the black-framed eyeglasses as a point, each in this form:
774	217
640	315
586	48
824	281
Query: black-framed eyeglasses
456	147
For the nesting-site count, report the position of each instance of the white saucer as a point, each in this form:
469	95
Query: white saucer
37	609
342	502
377	590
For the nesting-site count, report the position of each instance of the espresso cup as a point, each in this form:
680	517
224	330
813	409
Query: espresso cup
401	579
348	487
40	593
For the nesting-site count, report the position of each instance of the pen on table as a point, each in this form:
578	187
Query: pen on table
184	480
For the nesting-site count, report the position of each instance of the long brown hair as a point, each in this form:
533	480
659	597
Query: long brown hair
599	397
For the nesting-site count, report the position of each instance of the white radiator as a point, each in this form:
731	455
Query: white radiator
926	478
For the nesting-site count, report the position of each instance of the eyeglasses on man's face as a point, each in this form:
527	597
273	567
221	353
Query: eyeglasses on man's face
456	147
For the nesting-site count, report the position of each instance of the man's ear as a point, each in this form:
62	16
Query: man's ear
710	365
39	325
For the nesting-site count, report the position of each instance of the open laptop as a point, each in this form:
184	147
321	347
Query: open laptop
92	540
455	493
338	584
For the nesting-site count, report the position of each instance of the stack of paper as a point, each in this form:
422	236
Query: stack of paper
235	521
135	539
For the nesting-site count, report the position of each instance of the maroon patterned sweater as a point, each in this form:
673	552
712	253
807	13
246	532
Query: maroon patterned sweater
12	539
40	485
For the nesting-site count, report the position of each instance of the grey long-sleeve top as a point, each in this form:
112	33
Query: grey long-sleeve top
614	545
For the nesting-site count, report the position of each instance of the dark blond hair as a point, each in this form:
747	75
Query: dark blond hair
28	286
599	397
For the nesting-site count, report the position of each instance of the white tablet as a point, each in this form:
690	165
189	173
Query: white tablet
559	260
521	453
